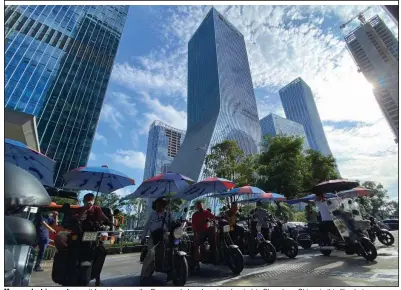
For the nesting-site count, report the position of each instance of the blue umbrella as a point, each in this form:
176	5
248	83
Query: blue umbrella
266	196
247	189
99	179
39	165
161	185
310	197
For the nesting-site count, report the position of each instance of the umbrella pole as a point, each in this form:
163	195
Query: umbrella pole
98	189
169	206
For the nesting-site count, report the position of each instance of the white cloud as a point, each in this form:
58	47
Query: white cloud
125	102
113	117
129	158
92	156
101	138
165	113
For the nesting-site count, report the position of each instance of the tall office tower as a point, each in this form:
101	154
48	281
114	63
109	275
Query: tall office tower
299	106
221	100
375	51
163	145
58	61
274	125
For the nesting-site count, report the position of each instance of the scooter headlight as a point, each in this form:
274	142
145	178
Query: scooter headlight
258	228
178	232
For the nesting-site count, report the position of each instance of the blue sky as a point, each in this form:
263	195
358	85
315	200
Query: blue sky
283	42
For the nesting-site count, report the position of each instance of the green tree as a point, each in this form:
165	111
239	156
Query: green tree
63	200
378	204
318	168
227	160
110	200
281	165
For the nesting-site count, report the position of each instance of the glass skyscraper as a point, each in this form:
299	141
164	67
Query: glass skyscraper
375	51
58	61
274	125
163	144
221	100
299	106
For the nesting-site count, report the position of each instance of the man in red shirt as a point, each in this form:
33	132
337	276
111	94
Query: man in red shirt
92	213
202	231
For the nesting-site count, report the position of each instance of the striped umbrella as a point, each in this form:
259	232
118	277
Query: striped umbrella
266	196
335	185
39	165
206	186
356	192
247	189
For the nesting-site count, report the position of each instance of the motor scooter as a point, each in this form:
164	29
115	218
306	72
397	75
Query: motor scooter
350	227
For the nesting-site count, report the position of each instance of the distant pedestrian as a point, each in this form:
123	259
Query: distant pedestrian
43	222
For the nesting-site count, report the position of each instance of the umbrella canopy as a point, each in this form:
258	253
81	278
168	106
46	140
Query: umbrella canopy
265	197
356	192
39	165
247	189
161	185
310	197
100	179
209	185
333	186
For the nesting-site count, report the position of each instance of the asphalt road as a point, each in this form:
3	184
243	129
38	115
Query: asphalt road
309	268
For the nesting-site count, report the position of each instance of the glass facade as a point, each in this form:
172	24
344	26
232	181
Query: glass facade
299	106
163	145
58	61
221	100
375	51
274	125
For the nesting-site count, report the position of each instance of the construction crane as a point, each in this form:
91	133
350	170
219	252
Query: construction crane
360	16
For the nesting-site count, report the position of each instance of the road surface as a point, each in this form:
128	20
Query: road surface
309	268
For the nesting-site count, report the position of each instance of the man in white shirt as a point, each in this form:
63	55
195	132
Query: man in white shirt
327	224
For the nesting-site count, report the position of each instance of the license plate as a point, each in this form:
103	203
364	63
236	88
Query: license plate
89	236
226	228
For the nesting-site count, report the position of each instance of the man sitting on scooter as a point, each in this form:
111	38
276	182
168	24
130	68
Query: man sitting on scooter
91	216
237	232
157	224
201	230
262	216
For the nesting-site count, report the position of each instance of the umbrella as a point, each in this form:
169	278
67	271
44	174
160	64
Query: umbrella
161	185
100	179
310	197
266	196
22	188
247	189
356	192
39	165
209	185
333	186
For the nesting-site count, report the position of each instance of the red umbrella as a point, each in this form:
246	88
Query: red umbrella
356	192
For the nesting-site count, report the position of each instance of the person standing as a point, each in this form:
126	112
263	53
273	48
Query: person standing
44	222
262	216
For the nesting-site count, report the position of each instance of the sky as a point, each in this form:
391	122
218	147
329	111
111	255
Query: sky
149	77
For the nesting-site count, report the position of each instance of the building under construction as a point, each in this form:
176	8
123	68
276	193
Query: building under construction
375	51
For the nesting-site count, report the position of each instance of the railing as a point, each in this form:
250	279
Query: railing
129	239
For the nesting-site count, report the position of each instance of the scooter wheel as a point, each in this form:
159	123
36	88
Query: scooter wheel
180	273
305	244
268	252
291	249
386	238
235	260
370	252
